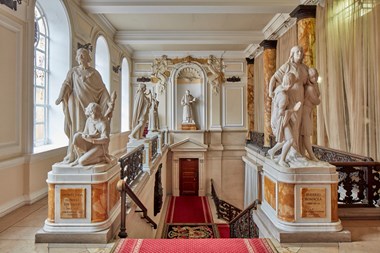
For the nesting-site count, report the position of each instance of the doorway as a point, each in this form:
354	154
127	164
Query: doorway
188	181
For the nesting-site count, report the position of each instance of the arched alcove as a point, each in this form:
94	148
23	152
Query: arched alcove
189	76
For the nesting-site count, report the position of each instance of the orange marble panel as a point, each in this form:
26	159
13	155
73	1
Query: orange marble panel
269	58
51	203
286	202
113	193
73	203
334	203
313	202
270	192
99	202
306	39
250	96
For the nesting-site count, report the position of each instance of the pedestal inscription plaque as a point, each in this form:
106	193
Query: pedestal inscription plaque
73	203
313	202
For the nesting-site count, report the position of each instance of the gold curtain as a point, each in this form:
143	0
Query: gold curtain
258	83
348	54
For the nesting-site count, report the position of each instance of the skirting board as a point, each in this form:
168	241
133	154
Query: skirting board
22	201
266	228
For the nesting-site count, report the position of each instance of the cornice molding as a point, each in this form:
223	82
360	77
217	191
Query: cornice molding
186	37
279	24
189	7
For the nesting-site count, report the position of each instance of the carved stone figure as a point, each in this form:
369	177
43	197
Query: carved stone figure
153	114
140	112
216	76
91	145
159	67
187	113
296	92
282	118
83	85
311	99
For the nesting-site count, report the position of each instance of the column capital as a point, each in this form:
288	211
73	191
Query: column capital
250	60
269	44
304	11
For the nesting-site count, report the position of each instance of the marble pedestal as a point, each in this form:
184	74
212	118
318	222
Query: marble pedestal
300	200
83	204
188	126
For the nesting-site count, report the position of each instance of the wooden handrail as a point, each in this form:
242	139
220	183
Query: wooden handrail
124	189
251	206
224	209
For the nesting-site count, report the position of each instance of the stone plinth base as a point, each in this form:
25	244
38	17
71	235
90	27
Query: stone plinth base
83	202
188	126
268	229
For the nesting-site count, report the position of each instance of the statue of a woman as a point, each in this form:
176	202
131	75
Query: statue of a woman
296	92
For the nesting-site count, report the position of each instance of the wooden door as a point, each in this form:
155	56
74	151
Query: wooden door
188	183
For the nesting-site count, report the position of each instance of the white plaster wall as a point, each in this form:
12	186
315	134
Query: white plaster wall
22	173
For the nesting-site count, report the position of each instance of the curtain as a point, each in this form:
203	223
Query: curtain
348	45
284	44
258	83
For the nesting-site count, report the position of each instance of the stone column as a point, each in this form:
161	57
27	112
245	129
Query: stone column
269	70
250	96
306	22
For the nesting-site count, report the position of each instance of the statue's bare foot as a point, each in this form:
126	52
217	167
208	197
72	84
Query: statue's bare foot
72	164
283	163
314	159
271	154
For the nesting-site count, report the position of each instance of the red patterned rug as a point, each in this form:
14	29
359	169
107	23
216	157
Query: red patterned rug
188	209
190	231
193	246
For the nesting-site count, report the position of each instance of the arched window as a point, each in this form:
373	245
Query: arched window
41	77
51	64
102	60
125	96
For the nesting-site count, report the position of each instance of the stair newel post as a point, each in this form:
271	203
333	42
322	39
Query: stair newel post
121	189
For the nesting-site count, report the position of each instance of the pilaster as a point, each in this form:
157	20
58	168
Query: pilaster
250	94
269	57
306	23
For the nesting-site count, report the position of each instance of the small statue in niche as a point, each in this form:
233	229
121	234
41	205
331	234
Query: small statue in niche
187	113
140	112
282	119
154	125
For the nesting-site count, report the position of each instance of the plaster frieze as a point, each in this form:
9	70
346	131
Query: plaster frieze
162	70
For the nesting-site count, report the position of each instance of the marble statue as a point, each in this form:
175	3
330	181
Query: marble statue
311	99
282	118
296	92
82	86
154	125
140	112
91	145
186	101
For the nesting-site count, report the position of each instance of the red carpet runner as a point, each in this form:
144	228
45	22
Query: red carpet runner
194	246
188	209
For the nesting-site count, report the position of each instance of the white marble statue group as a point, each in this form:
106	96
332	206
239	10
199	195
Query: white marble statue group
145	109
294	90
88	108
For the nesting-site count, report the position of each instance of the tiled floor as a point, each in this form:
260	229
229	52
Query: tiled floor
17	231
